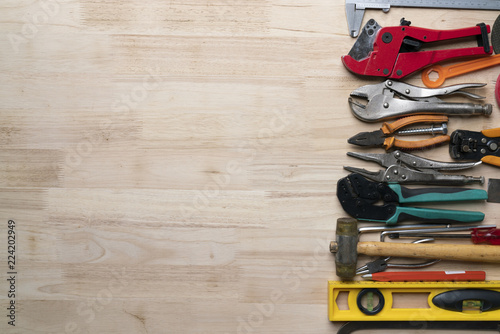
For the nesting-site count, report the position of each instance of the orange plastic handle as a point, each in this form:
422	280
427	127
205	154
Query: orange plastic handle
388	128
492	133
492	160
451	71
415	144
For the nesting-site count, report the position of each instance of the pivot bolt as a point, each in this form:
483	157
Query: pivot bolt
433	130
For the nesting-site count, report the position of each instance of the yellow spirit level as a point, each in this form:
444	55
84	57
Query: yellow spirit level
446	301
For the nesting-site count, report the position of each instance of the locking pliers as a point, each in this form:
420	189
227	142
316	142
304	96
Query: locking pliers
390	99
407	168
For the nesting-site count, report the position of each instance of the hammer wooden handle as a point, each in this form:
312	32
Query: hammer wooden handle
473	253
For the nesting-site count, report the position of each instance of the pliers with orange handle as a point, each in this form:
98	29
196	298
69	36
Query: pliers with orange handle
385	136
478	146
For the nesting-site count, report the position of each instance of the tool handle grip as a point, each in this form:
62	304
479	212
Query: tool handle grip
474	253
441	194
487	236
388	128
414	144
434	215
491	160
492	133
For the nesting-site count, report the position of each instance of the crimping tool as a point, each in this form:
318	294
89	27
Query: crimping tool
358	196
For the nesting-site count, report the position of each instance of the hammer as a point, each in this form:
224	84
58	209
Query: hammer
346	249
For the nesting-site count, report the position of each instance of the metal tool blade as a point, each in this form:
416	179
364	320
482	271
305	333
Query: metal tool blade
403	175
383	107
493	191
355	9
414	161
377	176
364	44
371	139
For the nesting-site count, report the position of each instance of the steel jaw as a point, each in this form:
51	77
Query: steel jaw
406	168
382	103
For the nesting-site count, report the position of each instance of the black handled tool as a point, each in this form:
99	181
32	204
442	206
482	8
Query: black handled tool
470	326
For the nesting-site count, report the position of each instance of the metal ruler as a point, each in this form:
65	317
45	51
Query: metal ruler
355	9
478	301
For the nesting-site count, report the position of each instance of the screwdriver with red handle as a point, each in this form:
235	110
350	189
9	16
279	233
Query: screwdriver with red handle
486	236
478	236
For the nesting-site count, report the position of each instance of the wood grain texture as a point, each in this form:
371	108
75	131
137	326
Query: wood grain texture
171	166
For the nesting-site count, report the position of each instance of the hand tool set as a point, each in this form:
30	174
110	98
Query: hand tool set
381	264
347	246
450	71
455	300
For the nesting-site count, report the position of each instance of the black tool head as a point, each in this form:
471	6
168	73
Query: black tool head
495	35
473	145
369	139
358	196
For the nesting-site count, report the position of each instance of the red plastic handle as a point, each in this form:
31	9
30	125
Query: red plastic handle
486	236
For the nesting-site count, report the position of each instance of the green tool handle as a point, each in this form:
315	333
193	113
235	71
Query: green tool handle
443	194
435	215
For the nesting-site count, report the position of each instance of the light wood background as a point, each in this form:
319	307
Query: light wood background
171	166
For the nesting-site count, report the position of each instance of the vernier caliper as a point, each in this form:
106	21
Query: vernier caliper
355	9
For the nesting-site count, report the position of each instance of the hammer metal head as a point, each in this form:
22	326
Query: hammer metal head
345	248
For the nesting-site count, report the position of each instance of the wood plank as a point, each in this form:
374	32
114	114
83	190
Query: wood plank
171	167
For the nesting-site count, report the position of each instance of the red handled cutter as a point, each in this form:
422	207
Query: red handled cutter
395	52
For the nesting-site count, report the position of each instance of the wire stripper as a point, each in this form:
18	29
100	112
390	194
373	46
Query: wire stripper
478	146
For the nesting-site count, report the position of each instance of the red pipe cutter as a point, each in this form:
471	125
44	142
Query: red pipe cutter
394	52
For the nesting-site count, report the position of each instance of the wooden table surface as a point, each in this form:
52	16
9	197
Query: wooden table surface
171	166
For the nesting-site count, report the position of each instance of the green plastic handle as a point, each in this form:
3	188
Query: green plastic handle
435	215
444	194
